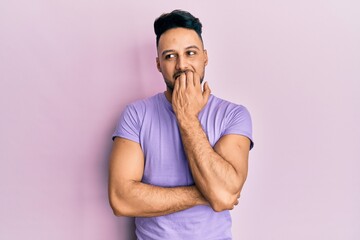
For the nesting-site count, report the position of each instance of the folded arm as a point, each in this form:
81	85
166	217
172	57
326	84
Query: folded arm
130	197
219	172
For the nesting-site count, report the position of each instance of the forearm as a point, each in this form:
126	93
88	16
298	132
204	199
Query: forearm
218	172
216	178
138	199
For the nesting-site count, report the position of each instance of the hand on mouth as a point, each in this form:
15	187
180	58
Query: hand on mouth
178	74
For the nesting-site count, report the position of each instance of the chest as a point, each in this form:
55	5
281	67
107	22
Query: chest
165	160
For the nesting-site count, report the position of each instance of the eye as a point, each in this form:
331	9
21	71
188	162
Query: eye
191	53
170	56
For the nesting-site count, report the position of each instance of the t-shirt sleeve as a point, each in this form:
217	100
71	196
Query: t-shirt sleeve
128	125
239	122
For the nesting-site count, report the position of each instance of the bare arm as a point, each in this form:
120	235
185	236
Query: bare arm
130	197
219	172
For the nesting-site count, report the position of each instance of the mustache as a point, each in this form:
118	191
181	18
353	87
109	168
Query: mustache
178	73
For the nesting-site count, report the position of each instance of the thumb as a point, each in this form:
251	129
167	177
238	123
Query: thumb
207	91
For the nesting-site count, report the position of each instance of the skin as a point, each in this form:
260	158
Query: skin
180	50
219	172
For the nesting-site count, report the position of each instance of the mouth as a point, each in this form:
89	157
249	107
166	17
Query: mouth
178	74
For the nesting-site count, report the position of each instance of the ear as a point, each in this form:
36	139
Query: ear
206	60
158	64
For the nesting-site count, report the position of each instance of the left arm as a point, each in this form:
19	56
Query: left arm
219	172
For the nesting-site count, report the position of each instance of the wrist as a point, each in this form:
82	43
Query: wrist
199	198
187	121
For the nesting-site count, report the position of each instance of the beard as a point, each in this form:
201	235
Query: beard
170	84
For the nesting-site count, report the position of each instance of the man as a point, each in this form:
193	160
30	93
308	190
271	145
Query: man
180	158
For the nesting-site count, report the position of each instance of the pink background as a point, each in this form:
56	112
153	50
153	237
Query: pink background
67	69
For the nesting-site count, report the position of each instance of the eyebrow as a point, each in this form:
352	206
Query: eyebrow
167	51
171	50
193	46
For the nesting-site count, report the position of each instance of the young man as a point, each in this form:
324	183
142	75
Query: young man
180	158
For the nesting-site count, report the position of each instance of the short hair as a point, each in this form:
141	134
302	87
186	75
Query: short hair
176	19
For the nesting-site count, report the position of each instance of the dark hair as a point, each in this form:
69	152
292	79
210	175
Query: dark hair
176	19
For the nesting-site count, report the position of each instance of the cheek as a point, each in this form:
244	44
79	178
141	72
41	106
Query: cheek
167	69
200	66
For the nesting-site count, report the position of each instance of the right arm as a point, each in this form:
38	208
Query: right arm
130	197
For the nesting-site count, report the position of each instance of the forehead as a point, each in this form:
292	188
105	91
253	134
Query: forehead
178	39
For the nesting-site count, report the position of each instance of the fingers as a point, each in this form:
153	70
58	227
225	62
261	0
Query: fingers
182	81
190	82
190	78
207	91
237	200
177	84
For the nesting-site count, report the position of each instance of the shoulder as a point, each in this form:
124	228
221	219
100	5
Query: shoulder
133	117
142	105
226	107
231	111
145	102
235	118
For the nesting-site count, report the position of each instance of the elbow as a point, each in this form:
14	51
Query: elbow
118	211
118	206
222	199
217	207
220	205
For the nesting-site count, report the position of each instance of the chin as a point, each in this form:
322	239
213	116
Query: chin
169	85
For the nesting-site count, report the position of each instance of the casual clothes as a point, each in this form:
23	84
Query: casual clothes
152	123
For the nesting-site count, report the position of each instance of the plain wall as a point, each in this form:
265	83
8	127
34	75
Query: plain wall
68	68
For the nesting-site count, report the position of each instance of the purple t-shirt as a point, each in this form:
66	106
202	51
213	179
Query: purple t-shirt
152	123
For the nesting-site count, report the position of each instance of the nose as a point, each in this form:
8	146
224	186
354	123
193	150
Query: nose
181	63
